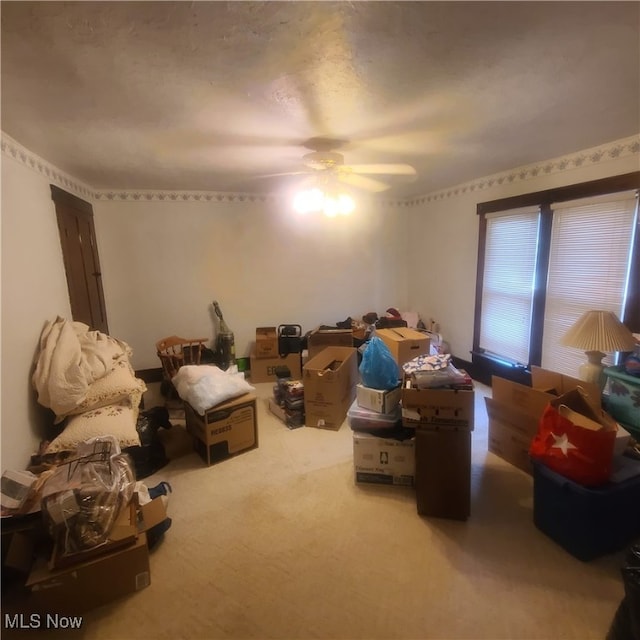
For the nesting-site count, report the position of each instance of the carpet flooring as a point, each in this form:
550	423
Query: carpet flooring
280	542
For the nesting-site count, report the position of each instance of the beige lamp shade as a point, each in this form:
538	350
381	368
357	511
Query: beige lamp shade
599	331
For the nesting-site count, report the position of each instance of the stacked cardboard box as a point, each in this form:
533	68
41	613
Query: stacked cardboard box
383	452
266	342
405	344
515	409
383	460
443	419
266	369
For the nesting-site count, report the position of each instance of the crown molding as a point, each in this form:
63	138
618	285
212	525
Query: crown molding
595	155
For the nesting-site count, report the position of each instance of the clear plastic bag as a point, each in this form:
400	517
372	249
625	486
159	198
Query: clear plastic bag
83	497
378	369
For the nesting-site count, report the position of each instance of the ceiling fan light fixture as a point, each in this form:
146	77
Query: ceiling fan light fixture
308	200
316	200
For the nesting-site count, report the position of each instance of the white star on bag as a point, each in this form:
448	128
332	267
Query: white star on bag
562	443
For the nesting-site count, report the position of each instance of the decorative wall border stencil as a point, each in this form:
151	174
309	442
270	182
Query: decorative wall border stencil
183	196
595	155
15	150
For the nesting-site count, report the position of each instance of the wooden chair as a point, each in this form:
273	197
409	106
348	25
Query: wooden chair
174	352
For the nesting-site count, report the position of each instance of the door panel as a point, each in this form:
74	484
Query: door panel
81	262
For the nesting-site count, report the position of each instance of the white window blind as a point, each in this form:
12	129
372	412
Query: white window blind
589	262
508	282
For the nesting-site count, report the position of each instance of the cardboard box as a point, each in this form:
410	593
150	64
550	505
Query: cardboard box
329	386
545	385
378	400
85	585
405	344
266	342
514	411
99	578
441	407
443	473
510	434
383	460
264	369
277	410
319	339
225	430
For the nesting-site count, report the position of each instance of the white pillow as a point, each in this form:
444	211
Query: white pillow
117	420
117	385
204	386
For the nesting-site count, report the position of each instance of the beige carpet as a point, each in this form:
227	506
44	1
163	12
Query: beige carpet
279	542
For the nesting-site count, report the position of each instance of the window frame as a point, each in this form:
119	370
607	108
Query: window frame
485	365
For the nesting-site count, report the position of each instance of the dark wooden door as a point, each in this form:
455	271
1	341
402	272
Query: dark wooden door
81	263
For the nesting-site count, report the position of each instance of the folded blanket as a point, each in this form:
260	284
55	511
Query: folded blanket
70	359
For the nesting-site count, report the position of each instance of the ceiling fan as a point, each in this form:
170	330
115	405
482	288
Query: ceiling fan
324	163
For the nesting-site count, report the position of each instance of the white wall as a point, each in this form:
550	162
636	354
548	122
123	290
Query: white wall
163	263
34	290
443	243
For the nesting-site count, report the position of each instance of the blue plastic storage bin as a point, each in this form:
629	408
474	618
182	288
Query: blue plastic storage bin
586	522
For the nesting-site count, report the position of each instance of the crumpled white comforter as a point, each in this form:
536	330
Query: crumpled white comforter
204	386
70	358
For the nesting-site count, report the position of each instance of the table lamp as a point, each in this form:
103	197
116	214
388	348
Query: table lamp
598	333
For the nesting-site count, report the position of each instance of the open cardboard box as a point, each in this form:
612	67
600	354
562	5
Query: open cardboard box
514	411
330	380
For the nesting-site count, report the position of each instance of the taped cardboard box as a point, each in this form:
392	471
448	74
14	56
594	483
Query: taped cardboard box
330	380
266	342
225	430
405	344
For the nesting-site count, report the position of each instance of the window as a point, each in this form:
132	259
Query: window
590	247
509	271
543	260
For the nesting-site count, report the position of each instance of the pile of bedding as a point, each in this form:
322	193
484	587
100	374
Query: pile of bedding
86	378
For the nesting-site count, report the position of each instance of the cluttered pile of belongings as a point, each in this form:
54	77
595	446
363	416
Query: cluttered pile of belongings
85	377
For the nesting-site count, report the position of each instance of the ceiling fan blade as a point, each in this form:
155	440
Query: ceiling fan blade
389	169
285	173
362	182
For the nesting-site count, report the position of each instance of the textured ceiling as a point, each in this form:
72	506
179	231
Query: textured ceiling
211	95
